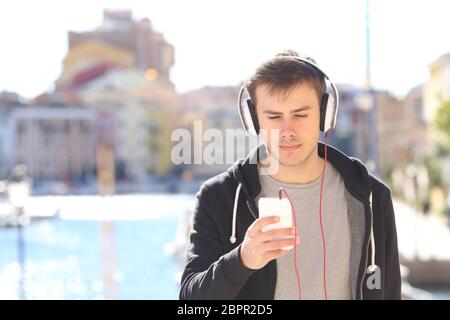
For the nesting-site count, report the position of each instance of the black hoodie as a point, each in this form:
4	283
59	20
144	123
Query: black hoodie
214	269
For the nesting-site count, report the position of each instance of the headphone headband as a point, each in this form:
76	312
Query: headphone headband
332	85
329	104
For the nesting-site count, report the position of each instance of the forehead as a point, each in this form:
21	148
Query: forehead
297	96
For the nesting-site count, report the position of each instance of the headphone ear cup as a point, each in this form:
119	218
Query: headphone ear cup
248	117
327	114
323	110
244	114
254	124
330	115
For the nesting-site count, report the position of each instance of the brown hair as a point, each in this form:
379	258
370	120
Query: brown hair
283	72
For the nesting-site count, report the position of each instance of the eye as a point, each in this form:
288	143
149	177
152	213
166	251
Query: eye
274	117
301	115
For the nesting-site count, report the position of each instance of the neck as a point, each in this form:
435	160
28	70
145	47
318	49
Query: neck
306	172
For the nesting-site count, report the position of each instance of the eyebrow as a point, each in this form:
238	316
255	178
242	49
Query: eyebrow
293	111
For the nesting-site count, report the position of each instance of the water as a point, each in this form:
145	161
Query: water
63	256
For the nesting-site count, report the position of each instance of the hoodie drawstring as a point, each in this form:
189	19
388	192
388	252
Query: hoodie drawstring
372	267
233	227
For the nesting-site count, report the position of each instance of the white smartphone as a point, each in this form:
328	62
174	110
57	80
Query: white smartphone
276	207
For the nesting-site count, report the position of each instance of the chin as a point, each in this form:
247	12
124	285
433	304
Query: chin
290	160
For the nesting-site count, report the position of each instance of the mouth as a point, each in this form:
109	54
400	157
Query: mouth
290	147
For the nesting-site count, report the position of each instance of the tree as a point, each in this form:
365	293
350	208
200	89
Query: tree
442	121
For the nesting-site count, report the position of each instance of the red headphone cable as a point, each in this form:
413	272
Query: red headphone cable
295	243
282	190
321	223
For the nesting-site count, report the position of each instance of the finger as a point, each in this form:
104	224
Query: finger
255	228
274	245
278	244
277	233
275	254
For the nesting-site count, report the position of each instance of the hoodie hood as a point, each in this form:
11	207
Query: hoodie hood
353	171
355	175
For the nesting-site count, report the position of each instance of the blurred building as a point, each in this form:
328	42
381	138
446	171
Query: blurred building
394	137
54	143
120	73
394	126
437	87
346	136
8	102
215	109
159	128
91	60
402	129
419	136
356	127
143	109
119	42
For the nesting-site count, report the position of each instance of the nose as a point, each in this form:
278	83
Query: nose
287	133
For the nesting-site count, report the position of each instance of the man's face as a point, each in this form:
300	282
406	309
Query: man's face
296	115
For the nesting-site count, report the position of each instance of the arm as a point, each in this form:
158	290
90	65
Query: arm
210	273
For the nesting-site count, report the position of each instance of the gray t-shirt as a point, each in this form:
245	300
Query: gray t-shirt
306	198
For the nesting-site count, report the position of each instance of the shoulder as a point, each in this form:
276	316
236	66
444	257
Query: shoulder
381	199
379	187
216	187
367	178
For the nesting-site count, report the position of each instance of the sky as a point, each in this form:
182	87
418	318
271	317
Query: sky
221	42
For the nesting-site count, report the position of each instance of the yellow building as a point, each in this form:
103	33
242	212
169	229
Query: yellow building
159	99
89	60
159	144
437	87
144	109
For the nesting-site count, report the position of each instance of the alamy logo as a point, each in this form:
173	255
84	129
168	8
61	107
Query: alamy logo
373	281
222	148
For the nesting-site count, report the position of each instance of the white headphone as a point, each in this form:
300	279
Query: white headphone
328	105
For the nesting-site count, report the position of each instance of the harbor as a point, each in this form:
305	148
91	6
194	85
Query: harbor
63	248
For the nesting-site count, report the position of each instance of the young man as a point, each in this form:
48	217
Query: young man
337	229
